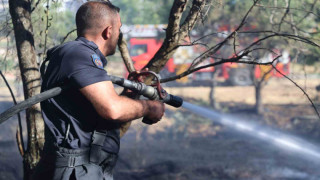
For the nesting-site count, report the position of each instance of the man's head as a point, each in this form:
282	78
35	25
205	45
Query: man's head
99	21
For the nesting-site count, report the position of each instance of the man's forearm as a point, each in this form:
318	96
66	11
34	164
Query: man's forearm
111	106
126	109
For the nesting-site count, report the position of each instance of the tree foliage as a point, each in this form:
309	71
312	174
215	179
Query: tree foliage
144	11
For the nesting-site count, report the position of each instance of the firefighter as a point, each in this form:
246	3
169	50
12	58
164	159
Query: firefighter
82	124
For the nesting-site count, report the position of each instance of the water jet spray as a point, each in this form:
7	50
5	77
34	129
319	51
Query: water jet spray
279	139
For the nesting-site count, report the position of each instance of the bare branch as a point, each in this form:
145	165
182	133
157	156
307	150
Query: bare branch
235	60
67	35
20	141
19	136
48	24
296	9
36	5
122	44
273	13
285	35
314	107
288	2
218	46
308	13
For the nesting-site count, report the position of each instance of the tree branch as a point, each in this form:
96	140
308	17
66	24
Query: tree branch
19	135
235	60
308	13
314	107
218	46
172	38
123	48
296	9
48	24
176	33
173	28
192	17
67	35
286	12
36	5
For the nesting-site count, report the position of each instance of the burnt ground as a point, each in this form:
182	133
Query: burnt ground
224	154
189	148
184	146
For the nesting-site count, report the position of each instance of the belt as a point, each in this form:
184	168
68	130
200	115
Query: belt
63	157
72	161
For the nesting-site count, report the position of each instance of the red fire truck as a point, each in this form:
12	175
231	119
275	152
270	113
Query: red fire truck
144	43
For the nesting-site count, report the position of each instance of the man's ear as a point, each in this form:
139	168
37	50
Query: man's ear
106	34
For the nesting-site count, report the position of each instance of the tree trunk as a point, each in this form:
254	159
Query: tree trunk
213	102
20	11
259	105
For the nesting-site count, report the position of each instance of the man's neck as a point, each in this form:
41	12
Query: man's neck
98	42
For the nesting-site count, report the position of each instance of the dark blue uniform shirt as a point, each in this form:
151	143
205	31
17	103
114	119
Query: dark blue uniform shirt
78	64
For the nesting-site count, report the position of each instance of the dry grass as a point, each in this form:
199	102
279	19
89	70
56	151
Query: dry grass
277	91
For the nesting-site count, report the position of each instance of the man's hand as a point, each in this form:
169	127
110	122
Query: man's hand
130	94
156	111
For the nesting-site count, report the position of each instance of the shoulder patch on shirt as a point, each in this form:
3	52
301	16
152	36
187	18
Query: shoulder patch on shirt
97	61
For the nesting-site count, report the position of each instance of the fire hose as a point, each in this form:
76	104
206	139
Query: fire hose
152	92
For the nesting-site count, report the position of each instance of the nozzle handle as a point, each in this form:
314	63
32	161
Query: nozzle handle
173	100
147	91
146	121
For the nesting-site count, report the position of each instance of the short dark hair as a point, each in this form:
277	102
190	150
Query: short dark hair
90	15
